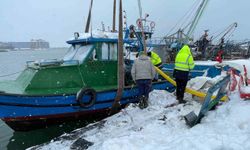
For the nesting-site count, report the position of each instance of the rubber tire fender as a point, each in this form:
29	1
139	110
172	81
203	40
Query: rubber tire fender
86	91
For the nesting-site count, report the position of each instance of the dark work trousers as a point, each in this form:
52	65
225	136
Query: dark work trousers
181	79
144	86
180	89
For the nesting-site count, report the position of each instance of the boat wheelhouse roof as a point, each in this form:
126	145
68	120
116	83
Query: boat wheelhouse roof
109	37
95	36
90	40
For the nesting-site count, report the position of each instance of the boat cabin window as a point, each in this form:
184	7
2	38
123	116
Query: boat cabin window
104	52
109	51
78	52
93	55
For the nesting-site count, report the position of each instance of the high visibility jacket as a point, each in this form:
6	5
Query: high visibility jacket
184	60
155	59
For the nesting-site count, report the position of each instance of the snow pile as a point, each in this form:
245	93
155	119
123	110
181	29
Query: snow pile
203	82
158	127
238	64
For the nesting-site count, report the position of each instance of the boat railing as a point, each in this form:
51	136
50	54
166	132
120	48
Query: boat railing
71	62
156	41
50	62
146	29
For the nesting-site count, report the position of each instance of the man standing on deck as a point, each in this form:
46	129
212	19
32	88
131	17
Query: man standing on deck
142	73
183	64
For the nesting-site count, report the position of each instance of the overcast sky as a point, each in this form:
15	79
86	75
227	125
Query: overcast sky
57	20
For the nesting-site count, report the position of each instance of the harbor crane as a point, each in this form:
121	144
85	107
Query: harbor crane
181	37
220	46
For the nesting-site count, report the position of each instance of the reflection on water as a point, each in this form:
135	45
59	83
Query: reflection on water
5	134
23	140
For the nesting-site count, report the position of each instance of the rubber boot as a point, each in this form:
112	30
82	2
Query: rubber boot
143	103
181	101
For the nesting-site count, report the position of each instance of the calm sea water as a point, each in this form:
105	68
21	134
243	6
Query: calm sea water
11	63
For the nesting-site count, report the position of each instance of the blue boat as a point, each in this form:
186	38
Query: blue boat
82	85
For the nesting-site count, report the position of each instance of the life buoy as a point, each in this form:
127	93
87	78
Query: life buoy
86	91
139	23
152	24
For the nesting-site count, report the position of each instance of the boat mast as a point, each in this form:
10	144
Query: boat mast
120	76
142	28
196	19
114	15
89	17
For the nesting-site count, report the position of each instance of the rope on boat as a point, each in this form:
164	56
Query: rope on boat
6	75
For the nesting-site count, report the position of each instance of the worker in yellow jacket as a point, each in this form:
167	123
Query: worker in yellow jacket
155	58
183	64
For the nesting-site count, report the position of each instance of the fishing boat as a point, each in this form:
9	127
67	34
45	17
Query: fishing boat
82	84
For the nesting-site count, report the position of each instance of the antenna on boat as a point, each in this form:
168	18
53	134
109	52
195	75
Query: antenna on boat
103	26
114	15
91	28
89	17
142	28
120	77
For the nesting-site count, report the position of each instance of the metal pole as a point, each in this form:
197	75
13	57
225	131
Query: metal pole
120	75
114	15
195	21
142	28
89	18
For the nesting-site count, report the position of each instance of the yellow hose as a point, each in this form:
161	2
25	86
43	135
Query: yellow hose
188	90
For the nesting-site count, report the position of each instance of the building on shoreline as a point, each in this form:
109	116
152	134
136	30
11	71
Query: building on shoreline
4	46
33	44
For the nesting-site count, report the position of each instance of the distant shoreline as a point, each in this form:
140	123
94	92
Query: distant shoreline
29	49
